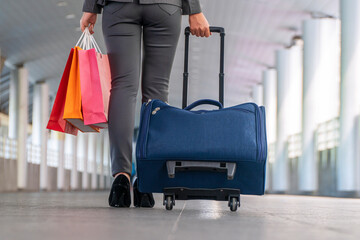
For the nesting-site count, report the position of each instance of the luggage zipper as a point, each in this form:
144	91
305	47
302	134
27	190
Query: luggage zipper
146	121
258	135
144	125
155	110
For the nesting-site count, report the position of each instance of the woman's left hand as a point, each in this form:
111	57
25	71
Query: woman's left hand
199	26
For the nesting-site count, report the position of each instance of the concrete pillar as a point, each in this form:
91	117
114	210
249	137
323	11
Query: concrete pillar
71	150
74	172
102	158
18	120
289	94
106	157
257	94
269	82
98	159
92	157
83	155
40	118
347	159
320	90
61	166
269	97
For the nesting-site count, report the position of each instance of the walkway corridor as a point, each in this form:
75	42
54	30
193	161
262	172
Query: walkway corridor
86	215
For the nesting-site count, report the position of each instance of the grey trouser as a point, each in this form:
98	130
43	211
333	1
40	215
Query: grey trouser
124	23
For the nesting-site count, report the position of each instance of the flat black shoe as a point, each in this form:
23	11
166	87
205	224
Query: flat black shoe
120	192
142	199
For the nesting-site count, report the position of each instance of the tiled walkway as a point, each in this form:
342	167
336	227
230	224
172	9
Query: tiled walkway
86	215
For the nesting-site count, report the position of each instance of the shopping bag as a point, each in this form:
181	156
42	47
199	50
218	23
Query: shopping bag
91	94
56	121
95	79
105	81
72	110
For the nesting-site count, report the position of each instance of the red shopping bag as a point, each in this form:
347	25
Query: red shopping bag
91	91
56	121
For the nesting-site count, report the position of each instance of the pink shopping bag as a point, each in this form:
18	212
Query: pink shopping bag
91	91
105	81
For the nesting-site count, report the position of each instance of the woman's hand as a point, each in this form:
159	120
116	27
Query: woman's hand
88	19
199	26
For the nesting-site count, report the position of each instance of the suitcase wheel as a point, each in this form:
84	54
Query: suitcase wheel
234	203
169	202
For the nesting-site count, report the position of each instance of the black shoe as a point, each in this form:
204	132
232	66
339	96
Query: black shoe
142	199
120	192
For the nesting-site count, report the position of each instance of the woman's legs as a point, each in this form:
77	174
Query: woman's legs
123	24
161	31
122	34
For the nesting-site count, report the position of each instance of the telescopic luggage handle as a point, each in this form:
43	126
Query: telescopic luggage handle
221	31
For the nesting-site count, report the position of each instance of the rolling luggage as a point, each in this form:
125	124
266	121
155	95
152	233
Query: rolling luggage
201	154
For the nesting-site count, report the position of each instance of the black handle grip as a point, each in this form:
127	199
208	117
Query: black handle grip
212	29
204	101
221	31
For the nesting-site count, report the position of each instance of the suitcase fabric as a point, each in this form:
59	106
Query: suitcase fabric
224	148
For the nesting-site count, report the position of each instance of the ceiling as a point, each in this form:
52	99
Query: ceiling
39	34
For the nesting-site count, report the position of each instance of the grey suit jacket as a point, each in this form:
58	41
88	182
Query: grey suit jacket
188	6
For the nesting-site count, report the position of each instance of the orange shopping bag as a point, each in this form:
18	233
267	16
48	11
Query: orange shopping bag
73	110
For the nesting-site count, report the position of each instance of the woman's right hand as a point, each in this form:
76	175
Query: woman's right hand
199	26
88	20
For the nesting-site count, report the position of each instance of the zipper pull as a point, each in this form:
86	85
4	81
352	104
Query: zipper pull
149	100
155	110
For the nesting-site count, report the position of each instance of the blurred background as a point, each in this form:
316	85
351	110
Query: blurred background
300	59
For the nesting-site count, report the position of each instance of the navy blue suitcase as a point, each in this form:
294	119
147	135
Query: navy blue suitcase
201	154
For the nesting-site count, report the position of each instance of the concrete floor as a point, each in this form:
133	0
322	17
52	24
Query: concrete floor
86	215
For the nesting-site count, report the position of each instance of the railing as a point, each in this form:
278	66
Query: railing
68	161
271	152
327	135
8	148
52	157
33	153
294	145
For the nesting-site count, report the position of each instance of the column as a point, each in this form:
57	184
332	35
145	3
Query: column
269	77
347	159
102	159
107	157
82	154
18	120
257	94
99	157
289	94
40	118
61	166
74	183
94	167
92	157
321	81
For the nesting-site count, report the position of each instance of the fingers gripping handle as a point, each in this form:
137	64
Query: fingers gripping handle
87	41
221	31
